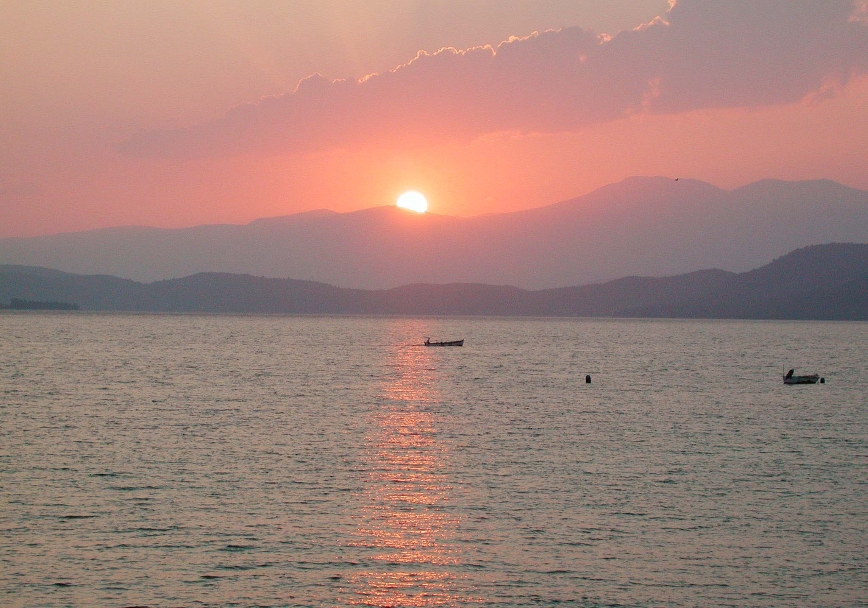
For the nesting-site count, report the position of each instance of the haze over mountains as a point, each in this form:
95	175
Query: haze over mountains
819	282
642	226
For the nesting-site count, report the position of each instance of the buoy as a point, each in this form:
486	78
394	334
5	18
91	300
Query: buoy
822	381
588	379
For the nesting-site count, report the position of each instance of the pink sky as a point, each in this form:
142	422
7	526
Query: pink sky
176	114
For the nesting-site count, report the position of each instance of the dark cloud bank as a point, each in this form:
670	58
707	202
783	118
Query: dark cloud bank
704	54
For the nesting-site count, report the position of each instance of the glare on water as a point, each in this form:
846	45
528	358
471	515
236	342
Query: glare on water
403	520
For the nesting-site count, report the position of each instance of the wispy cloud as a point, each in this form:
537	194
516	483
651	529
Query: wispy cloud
703	54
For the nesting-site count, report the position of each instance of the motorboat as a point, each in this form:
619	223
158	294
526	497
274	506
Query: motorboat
429	342
791	378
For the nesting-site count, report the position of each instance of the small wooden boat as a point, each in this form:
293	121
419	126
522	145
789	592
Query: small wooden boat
790	378
428	342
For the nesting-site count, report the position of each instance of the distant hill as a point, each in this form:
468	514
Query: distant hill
821	282
817	282
642	226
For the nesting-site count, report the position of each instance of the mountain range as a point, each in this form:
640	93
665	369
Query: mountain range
818	282
642	226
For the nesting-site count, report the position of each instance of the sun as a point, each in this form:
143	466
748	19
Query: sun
414	201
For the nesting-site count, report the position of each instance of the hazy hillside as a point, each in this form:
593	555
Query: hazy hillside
822	282
818	282
638	227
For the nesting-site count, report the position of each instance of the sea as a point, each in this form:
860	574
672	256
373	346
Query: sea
231	460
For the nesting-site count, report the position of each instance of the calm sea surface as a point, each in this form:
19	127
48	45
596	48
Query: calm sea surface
160	460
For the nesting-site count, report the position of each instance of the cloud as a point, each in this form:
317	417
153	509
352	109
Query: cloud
704	54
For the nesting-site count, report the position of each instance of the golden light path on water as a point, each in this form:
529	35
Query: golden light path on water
402	522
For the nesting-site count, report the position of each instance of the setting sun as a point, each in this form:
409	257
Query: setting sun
414	201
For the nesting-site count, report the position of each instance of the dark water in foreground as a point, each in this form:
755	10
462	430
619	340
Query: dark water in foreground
286	461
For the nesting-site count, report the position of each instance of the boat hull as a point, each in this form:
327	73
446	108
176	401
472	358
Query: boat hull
445	343
812	379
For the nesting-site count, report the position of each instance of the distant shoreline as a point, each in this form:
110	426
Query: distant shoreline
21	304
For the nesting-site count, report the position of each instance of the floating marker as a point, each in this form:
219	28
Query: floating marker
588	379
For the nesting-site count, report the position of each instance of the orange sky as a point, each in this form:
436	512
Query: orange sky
120	112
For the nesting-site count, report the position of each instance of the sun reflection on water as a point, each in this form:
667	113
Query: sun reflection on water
406	529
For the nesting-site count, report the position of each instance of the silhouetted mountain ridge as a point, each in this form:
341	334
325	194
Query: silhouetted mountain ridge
817	282
813	282
641	226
